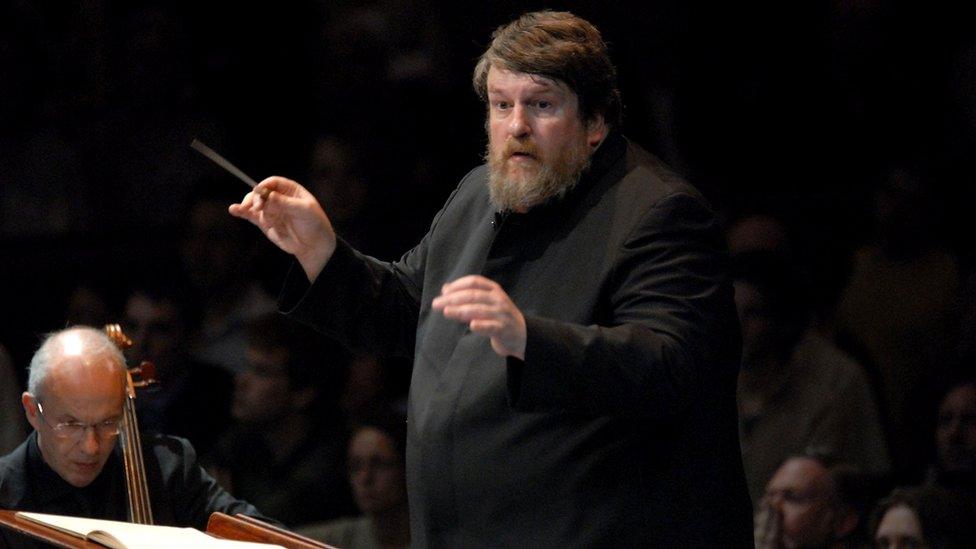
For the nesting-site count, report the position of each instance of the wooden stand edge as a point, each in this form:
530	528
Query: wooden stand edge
240	527
245	528
9	521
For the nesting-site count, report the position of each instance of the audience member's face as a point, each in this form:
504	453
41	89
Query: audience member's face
376	471
537	144
214	247
803	493
955	434
757	323
332	180
365	383
87	306
758	233
155	330
261	391
76	393
899	529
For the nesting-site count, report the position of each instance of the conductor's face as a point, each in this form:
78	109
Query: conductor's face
537	143
77	413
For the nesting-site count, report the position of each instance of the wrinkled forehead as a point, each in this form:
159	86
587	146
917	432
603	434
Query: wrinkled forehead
84	377
799	474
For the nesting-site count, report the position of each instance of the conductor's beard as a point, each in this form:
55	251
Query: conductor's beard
521	175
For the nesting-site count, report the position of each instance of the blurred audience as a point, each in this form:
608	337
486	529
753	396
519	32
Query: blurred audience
966	347
900	309
925	516
12	427
218	258
796	388
807	504
286	451
758	233
190	399
955	438
374	384
88	303
337	180
377	476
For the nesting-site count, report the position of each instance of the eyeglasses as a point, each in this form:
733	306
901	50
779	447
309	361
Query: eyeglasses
75	430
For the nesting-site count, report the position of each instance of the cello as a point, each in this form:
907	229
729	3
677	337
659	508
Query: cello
137	490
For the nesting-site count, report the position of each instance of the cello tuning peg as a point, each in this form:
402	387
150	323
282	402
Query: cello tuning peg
146	370
115	333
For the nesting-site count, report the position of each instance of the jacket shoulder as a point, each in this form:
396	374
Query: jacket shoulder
647	178
12	477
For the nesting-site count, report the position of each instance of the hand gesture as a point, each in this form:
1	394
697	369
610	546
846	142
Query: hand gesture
768	529
291	218
487	310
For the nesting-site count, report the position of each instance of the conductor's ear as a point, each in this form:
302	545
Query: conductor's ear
596	130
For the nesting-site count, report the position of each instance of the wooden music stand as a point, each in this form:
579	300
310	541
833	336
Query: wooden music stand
9	521
220	525
245	528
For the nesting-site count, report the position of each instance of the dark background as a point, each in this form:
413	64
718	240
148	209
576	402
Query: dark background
801	111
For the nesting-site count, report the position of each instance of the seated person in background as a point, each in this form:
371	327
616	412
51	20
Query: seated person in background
11	424
286	452
218	257
192	398
807	504
900	308
72	463
796	388
924	516
377	477
955	438
374	384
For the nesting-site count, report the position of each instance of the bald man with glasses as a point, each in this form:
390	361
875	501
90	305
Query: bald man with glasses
72	463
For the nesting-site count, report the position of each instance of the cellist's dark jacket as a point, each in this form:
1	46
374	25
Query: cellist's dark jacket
181	492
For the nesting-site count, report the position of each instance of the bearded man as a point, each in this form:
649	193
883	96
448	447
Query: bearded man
570	317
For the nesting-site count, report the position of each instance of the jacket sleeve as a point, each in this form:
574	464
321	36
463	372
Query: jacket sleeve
362	302
672	332
195	494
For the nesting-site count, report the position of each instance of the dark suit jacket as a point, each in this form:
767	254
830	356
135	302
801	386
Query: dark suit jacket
181	492
619	428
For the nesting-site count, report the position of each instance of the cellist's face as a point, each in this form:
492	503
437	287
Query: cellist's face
78	390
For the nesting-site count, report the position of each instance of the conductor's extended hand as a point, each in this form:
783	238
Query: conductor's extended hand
291	218
487	309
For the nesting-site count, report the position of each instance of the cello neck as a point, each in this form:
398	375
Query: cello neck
140	509
137	489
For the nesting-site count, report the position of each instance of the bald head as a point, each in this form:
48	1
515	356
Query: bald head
805	494
79	352
74	401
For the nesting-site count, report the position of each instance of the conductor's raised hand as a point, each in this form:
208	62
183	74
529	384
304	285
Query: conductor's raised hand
487	309
291	218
